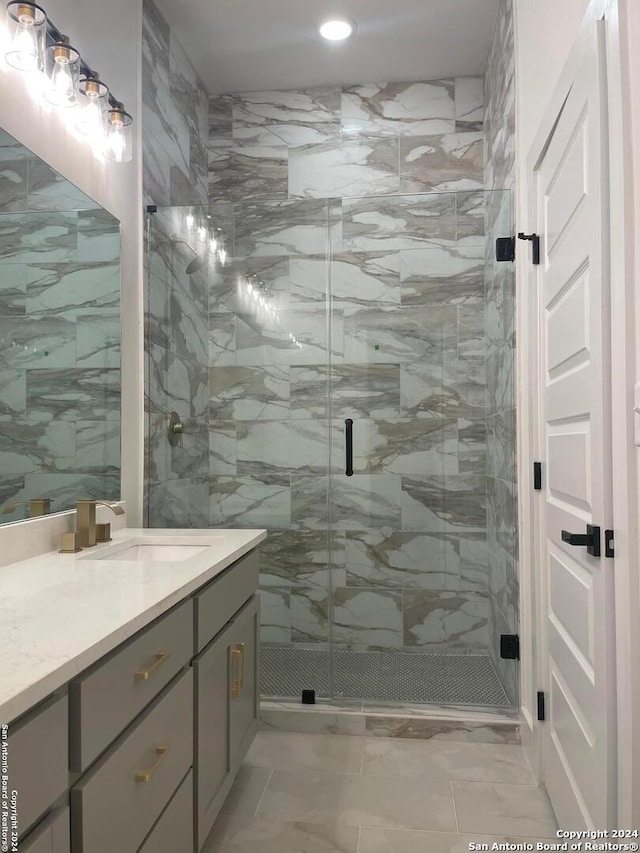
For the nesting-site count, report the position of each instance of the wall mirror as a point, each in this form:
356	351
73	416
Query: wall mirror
59	341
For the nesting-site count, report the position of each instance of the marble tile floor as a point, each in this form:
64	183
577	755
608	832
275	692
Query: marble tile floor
323	793
384	676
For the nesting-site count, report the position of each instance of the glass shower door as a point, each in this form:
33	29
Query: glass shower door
411	598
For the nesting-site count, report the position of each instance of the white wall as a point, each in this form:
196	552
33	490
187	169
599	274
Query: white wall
108	35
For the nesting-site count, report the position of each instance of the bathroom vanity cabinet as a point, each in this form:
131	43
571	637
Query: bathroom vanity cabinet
138	752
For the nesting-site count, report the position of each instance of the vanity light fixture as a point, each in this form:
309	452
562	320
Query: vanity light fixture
37	45
337	29
62	67
27	31
117	145
93	100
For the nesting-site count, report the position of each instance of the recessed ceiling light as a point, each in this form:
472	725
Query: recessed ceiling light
337	29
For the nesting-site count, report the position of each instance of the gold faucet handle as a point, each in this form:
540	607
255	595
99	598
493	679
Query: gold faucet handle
103	533
70	543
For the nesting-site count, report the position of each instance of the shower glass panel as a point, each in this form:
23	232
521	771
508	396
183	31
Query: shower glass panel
411	615
271	326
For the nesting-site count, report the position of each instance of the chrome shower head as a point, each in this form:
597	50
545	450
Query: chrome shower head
198	262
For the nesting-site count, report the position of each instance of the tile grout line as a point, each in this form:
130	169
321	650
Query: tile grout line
455	811
271	772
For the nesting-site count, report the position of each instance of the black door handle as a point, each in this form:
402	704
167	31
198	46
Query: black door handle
348	430
590	539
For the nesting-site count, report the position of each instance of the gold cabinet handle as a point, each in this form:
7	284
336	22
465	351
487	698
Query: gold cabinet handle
236	654
145	674
241	677
145	775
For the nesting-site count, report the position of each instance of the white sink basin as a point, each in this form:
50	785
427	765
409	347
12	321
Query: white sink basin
157	551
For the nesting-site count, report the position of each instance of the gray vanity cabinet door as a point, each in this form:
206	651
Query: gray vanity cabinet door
51	836
212	761
245	713
226	711
39	760
173	833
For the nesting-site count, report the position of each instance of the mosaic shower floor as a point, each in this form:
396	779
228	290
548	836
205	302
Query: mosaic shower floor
382	676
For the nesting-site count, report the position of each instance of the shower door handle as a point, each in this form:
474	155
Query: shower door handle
348	432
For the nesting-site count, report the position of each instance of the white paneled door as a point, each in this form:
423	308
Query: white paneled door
571	180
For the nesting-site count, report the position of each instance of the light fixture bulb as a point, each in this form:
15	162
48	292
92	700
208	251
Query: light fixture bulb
117	146
93	105
337	29
63	71
26	29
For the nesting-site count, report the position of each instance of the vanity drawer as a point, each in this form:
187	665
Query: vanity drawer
217	603
109	697
38	760
116	803
173	833
51	836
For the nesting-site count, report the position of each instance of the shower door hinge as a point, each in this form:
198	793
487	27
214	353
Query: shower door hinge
535	245
509	646
541	715
609	544
506	249
537	476
152	208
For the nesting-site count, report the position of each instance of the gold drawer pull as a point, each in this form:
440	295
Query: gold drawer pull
236	654
240	647
145	775
145	674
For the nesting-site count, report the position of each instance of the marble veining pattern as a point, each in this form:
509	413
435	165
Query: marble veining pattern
59	338
406	275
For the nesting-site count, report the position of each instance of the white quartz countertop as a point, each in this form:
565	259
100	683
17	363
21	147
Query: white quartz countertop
60	613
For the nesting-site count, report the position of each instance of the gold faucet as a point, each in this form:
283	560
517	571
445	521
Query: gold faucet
88	533
37	507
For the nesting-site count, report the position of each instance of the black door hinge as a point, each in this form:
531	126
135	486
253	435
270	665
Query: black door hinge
541	705
609	544
152	208
506	249
510	646
537	476
535	245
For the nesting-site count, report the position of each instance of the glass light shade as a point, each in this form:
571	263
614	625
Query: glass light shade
93	100
27	33
62	67
118	144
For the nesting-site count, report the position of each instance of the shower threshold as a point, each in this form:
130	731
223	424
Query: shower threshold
460	680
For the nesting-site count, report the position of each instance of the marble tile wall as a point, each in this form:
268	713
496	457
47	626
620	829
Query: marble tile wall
59	338
392	176
351	141
175	117
175	126
499	91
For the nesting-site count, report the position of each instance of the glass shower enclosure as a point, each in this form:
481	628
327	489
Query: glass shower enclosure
328	360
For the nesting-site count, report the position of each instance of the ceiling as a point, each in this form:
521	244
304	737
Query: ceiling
244	45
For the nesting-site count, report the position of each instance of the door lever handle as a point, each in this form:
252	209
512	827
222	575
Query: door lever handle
590	539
